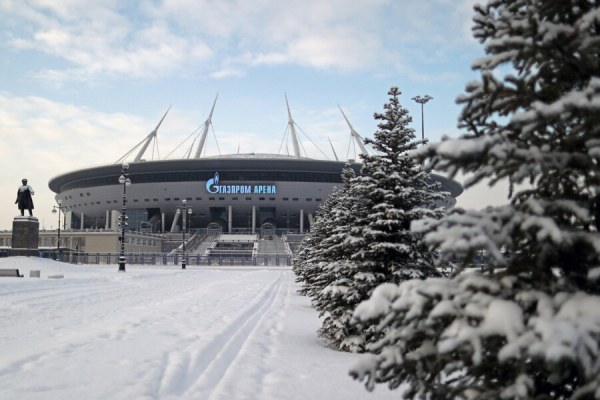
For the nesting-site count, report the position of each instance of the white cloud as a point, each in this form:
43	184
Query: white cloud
172	36
227	73
40	138
96	39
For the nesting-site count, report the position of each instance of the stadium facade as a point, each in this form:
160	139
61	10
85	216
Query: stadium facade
229	193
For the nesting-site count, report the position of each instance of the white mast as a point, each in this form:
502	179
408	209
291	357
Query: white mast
205	130
332	149
149	138
292	130
355	134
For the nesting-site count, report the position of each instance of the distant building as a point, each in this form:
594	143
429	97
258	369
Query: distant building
93	241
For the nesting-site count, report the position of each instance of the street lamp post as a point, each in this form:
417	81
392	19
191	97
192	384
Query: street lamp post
186	210
54	210
422	101
125	181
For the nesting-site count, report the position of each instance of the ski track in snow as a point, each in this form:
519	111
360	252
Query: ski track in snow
204	370
150	334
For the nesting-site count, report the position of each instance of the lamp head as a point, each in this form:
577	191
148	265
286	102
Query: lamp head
125	166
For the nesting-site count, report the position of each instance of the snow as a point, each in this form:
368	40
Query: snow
149	333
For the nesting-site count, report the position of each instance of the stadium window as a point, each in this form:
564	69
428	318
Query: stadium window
295	199
261	198
286	198
284	215
81	194
146	199
308	199
271	198
234	198
85	204
294	215
167	199
114	201
188	198
108	201
221	198
319	199
248	198
198	198
175	198
154	199
135	200
88	193
211	198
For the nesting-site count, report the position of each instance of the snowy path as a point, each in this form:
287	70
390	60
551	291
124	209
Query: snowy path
164	334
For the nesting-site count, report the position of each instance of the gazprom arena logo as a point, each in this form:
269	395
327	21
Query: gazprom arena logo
212	186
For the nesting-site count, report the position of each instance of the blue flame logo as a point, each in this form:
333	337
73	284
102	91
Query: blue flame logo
212	182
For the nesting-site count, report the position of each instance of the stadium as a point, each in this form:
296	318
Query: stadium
237	193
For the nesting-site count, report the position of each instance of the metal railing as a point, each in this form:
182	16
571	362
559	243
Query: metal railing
164	259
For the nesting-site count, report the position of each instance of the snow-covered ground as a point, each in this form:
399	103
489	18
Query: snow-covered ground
236	333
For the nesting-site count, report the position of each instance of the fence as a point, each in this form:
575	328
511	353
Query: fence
176	259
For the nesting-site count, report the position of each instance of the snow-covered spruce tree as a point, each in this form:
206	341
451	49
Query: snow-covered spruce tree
378	246
530	329
310	245
322	245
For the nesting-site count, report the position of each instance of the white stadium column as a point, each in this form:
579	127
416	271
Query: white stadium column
310	221
162	223
253	219
229	219
69	219
114	219
81	224
301	220
107	224
174	225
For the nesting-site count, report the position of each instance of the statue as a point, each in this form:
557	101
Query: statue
24	199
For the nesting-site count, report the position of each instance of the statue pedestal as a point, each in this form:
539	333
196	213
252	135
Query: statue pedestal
25	235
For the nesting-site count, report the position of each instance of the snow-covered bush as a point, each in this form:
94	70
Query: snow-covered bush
374	243
473	337
529	328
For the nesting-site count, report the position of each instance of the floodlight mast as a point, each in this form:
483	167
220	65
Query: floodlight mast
149	138
422	101
292	130
355	134
205	131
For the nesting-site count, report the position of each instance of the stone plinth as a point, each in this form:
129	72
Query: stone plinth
25	235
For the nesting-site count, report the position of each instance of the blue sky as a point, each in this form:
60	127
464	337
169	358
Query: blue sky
83	81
